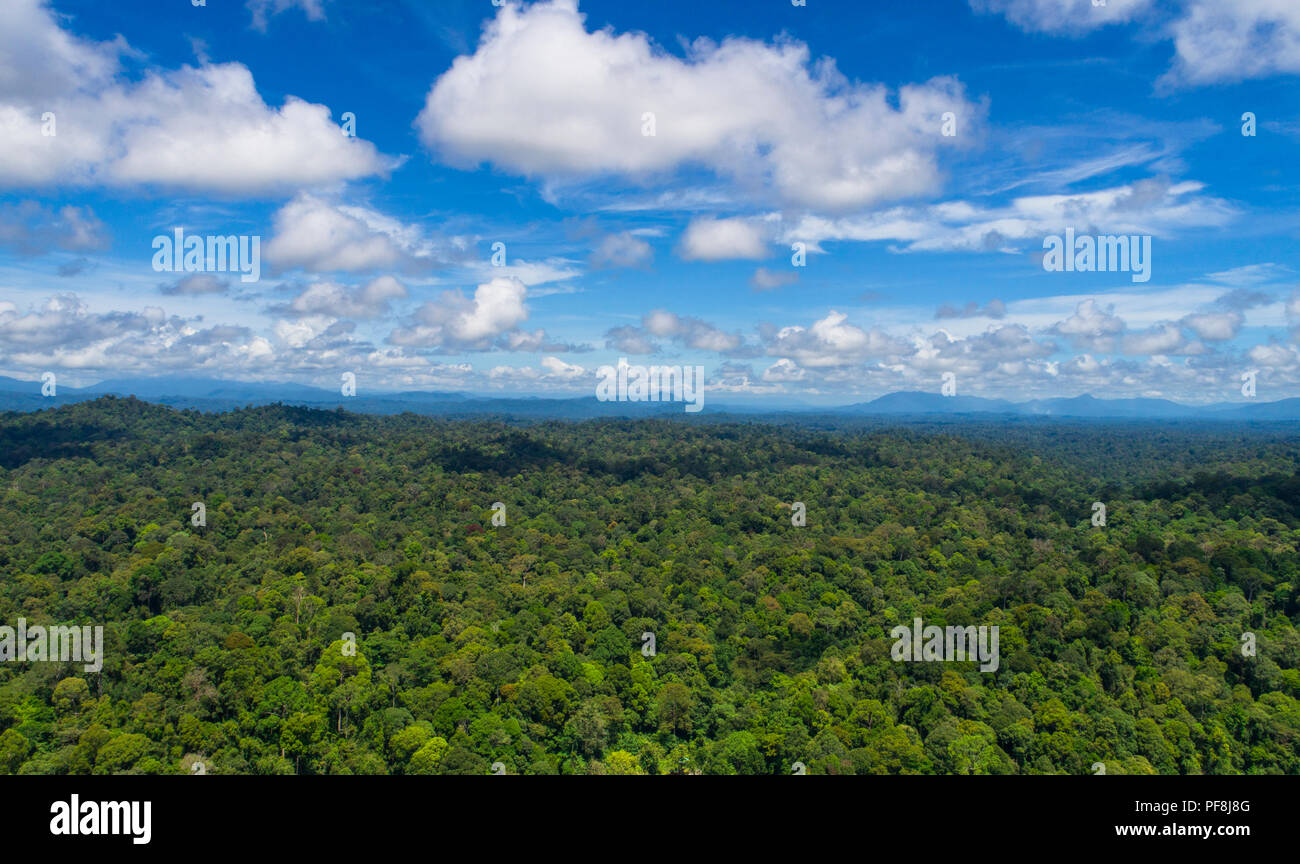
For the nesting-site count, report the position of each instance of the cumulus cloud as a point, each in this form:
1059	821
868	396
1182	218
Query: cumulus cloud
1232	41
630	340
64	333
557	367
470	323
1274	355
721	240
1091	326
743	108
1164	338
1215	326
533	341
830	342
739	378
554	372
30	228
41	61
65	321
690	332
1241	299
685	331
1081	364
784	371
1007	349
624	249
303	331
370	300
770	280
203	128
766	279
321	237
1097	328
1214	40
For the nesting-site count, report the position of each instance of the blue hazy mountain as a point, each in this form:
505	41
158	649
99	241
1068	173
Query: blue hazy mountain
207	388
1283	409
1090	406
919	402
211	394
1086	406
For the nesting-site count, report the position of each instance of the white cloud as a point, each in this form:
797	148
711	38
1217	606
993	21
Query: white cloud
1154	206
630	340
543	96
1091	326
33	229
64	321
1274	356
557	367
320	237
1068	17
331	299
661	322
535	340
831	342
1232	40
769	280
203	128
300	332
41	61
721	240
263	10
64	333
1214	40
531	273
784	371
1164	338
1084	364
1249	274
554	372
1005	349
621	250
691	332
455	321
1215	326
514	374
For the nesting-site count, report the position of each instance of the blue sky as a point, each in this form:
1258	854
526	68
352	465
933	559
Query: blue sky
774	125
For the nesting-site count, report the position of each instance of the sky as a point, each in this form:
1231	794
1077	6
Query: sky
817	203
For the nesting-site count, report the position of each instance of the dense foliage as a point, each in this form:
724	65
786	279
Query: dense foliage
522	644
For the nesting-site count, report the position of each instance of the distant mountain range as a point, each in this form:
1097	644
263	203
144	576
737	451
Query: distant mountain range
209	394
914	402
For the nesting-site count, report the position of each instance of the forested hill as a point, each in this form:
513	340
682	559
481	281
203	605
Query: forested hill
231	643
